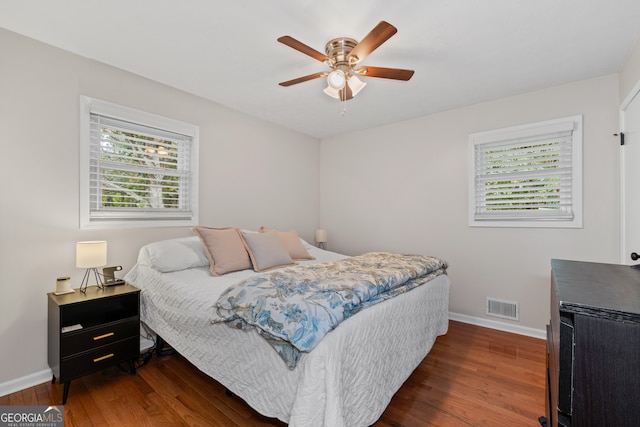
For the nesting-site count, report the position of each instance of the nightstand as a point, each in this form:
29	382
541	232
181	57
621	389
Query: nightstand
93	330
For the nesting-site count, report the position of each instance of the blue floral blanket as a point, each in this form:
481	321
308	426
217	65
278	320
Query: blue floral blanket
295	308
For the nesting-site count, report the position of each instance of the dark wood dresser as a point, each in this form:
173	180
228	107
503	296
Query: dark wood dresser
593	345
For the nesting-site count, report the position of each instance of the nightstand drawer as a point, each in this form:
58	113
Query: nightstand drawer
82	340
99	358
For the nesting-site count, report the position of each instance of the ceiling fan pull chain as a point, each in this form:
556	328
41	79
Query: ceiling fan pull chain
344	108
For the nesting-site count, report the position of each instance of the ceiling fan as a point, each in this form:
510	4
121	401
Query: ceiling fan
343	56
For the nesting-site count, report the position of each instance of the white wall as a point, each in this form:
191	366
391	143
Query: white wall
251	173
403	187
630	73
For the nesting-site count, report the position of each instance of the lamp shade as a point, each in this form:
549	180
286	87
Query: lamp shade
91	254
321	236
334	93
336	79
356	85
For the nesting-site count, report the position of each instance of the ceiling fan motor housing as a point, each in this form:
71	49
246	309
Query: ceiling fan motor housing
338	51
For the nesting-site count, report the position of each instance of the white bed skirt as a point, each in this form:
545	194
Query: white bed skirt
348	380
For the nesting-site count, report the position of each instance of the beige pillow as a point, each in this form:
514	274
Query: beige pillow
266	251
291	242
224	248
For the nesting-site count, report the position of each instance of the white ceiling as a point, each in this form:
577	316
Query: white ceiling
463	51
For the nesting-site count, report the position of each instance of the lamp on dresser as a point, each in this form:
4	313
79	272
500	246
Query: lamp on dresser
91	255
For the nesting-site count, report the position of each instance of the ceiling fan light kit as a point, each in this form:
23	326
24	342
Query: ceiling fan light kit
355	86
342	55
336	79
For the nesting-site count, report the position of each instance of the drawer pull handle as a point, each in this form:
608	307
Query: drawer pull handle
99	359
99	337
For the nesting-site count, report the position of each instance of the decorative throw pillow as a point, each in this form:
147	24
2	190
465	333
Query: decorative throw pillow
224	248
266	251
291	242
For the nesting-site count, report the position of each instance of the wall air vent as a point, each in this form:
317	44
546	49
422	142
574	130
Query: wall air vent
504	309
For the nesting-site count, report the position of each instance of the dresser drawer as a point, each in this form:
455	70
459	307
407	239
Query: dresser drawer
98	336
99	358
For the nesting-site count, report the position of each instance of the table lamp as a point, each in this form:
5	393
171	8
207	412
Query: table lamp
321	238
91	255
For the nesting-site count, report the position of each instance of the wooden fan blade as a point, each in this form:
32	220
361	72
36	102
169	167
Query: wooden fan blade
303	79
385	73
380	34
301	47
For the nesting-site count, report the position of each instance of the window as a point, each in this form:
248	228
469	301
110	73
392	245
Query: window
136	169
527	176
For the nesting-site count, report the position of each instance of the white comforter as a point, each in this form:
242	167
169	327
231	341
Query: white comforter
347	380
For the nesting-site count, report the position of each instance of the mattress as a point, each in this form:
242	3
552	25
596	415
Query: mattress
347	380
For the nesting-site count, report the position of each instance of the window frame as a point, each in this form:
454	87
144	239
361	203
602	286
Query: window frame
89	106
538	129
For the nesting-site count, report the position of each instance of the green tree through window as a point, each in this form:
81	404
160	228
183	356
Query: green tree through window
137	168
138	171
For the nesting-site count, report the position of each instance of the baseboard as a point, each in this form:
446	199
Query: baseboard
25	382
501	326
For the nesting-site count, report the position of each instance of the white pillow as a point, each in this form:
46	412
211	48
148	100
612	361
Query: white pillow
174	254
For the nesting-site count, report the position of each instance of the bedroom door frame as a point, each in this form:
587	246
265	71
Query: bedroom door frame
630	174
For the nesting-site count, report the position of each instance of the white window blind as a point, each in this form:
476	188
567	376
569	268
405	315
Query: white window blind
527	175
136	173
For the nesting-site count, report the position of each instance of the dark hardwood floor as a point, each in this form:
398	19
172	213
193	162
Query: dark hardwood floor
473	376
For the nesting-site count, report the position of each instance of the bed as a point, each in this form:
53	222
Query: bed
348	379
